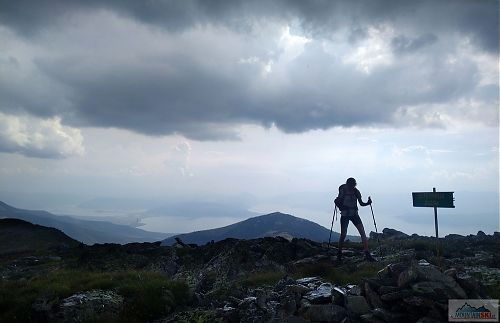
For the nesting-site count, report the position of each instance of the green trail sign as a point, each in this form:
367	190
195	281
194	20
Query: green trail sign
433	199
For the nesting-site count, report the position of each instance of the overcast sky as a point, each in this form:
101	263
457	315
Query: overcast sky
263	105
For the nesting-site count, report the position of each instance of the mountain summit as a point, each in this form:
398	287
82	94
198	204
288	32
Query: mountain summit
269	225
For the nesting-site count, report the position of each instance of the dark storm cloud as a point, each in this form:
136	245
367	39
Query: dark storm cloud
192	93
201	103
479	19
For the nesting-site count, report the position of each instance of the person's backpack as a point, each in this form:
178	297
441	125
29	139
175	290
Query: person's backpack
339	203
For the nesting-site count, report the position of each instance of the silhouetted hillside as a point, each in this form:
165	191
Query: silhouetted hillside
20	236
86	231
270	225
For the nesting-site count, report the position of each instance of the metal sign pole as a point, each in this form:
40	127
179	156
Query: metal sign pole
435	216
436	226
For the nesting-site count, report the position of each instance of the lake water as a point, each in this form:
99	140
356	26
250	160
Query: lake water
172	224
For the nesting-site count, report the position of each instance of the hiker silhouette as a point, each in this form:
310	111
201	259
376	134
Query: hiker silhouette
347	202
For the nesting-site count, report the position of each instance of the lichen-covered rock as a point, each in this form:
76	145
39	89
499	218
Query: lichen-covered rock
284	282
372	297
338	296
320	295
308	280
96	305
432	290
473	288
354	290
407	276
431	273
297	289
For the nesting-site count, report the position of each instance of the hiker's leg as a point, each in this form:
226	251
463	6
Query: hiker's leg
344	222
361	231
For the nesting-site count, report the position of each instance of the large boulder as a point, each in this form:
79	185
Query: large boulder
432	274
372	297
95	306
473	287
432	290
393	234
320	295
407	276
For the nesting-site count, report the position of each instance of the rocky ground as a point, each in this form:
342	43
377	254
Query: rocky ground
278	280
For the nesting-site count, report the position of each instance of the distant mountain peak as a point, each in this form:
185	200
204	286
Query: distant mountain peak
272	224
280	215
277	213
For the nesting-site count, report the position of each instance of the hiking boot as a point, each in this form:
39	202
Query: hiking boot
369	257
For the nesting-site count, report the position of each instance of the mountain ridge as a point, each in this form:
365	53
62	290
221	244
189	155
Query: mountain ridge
86	231
18	236
267	225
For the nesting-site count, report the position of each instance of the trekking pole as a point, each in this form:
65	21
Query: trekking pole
376	230
331	228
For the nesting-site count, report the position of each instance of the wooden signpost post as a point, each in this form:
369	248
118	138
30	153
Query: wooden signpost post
433	199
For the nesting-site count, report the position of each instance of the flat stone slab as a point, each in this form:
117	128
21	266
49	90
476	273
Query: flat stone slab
321	295
307	280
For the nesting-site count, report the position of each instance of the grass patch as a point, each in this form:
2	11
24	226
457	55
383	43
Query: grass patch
353	245
147	295
261	278
198	316
337	275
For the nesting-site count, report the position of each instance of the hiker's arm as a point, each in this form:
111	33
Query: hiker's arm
361	201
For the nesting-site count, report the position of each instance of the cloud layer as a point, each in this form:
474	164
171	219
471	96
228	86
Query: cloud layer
201	69
35	137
